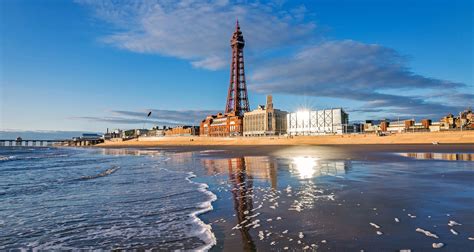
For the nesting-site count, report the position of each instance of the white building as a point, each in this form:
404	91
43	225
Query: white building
317	122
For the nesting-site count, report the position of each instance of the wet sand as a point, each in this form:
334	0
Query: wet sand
365	152
333	197
337	198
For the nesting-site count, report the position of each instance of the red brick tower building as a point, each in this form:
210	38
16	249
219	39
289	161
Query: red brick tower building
231	122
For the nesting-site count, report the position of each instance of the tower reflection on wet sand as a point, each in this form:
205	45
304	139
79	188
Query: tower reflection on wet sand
242	192
242	171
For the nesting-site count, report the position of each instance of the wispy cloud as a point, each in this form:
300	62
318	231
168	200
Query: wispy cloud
158	117
198	31
369	73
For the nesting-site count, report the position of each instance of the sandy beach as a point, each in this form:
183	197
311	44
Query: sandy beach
336	198
464	137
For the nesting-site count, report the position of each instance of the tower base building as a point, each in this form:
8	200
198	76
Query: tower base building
221	125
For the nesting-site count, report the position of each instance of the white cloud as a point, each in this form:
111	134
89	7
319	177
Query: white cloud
158	117
211	63
199	31
348	64
356	71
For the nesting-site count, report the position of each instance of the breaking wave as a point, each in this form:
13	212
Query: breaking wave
205	234
102	174
6	158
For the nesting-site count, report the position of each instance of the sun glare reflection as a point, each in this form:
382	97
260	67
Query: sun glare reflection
304	166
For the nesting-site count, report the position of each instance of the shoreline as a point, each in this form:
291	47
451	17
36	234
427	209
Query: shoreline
422	138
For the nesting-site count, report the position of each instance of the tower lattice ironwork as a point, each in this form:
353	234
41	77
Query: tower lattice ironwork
237	98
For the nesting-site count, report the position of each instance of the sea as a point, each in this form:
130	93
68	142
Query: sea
64	198
306	198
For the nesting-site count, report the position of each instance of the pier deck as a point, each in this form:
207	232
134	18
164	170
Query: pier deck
46	142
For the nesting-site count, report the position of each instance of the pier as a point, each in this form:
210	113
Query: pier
48	143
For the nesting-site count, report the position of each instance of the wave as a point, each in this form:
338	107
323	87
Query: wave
7	158
205	234
27	189
211	151
102	174
31	156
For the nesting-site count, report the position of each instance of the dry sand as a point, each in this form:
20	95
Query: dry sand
464	137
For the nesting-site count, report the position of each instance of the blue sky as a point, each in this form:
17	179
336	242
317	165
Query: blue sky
91	65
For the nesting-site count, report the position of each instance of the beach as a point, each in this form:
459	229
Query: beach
239	198
452	137
340	198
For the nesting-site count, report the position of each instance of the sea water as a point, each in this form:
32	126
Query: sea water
53	198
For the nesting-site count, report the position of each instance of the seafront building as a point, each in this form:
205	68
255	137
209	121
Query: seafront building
317	122
134	133
221	125
182	131
465	121
265	120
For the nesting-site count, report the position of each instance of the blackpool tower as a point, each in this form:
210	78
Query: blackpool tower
237	98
